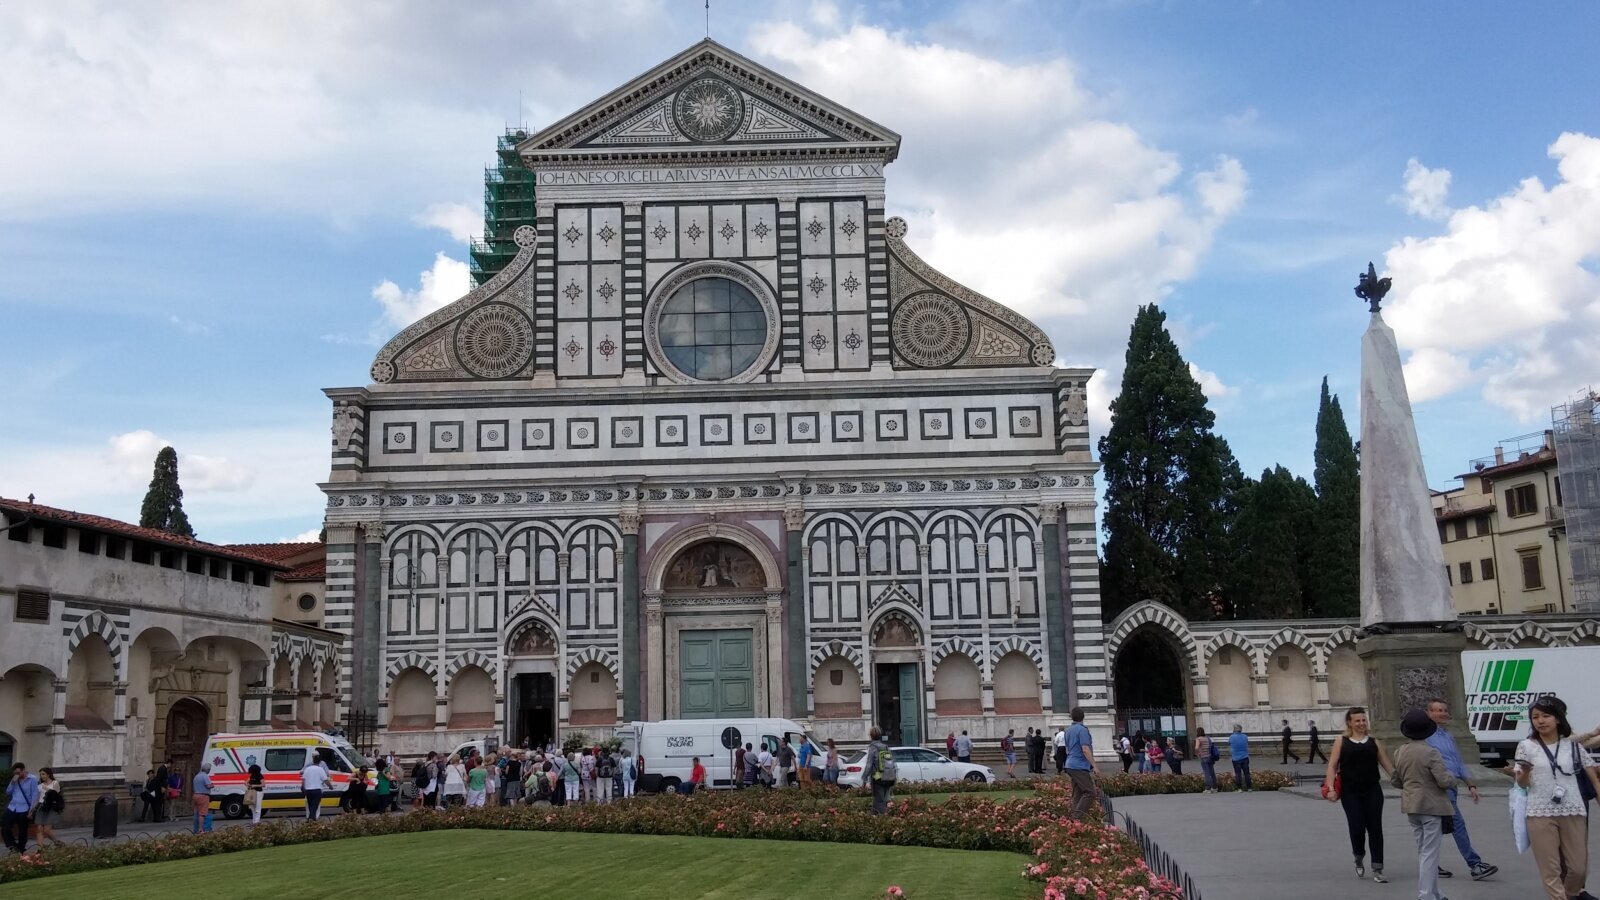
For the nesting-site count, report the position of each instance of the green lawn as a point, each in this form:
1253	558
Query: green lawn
462	864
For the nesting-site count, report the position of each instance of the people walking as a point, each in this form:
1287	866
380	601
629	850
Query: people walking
254	786
200	793
877	773
1440	740
964	748
1288	744
1548	765
313	781
1079	765
738	767
1205	750
147	797
1423	780
163	796
1125	752
22	794
1036	745
48	807
1174	756
1137	746
1060	743
1315	744
1008	750
750	775
830	764
428	781
1353	781
1239	755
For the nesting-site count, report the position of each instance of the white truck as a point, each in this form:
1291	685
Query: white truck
670	746
1502	683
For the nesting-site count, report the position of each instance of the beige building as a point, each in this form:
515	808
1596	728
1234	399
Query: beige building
1504	532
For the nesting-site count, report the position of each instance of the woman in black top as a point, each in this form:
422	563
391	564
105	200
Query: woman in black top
1356	759
253	782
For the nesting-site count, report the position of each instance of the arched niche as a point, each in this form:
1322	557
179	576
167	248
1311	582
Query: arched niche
713	556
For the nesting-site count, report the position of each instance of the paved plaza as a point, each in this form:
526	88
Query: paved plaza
1270	845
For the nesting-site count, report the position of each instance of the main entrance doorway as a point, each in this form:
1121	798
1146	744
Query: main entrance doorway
188	726
533	701
896	710
716	673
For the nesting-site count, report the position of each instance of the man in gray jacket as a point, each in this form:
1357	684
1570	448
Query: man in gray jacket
882	788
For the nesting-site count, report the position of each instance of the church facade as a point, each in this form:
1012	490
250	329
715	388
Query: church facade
716	442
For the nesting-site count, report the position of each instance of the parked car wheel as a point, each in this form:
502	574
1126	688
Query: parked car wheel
975	776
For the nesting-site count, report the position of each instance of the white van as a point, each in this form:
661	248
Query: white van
281	755
670	746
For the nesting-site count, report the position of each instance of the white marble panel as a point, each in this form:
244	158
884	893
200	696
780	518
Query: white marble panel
854	350
606	234
727	231
572	292
572	234
660	232
694	232
849	227
605	291
816	228
850	284
816	284
761	230
766	268
655	271
572	349
607	337
816	341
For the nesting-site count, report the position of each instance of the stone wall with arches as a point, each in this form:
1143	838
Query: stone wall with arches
1258	673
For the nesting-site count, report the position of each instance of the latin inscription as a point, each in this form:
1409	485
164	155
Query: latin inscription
709	174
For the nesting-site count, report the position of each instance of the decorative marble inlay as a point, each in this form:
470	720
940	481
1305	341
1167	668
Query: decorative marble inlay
659	232
728	231
606	234
693	231
761	231
851	284
853	341
572	290
849	227
816	228
708	109
930	330
494	341
573	235
817	285
606	290
573	348
818	342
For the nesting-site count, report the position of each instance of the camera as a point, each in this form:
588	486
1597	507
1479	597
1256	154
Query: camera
1559	794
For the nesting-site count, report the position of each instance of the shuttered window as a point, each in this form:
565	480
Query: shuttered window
33	606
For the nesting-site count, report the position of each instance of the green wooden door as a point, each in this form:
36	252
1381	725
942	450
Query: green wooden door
910	714
716	674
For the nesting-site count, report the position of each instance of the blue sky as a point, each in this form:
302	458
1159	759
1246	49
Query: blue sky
209	212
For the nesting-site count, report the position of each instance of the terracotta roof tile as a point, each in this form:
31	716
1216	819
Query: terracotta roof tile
15	509
315	570
277	552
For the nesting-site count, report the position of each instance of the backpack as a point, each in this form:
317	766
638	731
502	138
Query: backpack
1585	786
1007	745
1215	752
419	774
605	767
888	772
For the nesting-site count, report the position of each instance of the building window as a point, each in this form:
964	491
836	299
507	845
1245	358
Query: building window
33	606
1444	533
1486	569
1461	529
1466	573
1532	573
1522	500
713	329
1483	525
1558	491
307	603
1449	574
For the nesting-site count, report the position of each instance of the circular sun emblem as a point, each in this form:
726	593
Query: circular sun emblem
494	341
708	109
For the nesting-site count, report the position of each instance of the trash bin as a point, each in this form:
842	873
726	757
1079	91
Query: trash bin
105	817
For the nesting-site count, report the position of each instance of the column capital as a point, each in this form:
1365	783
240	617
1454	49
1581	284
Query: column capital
794	518
629	522
1049	513
373	529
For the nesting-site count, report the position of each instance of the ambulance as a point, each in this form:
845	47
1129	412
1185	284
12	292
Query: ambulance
281	755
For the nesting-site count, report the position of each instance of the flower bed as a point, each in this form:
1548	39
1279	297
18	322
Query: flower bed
1066	854
1129	785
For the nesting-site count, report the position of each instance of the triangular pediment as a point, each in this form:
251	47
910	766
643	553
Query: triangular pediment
710	100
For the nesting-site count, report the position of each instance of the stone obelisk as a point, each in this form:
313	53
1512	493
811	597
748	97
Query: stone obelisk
1412	642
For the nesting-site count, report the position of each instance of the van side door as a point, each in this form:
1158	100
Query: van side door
280	772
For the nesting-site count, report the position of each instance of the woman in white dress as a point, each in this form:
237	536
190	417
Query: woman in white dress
1548	764
455	783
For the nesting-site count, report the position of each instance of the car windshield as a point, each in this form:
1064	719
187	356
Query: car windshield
355	757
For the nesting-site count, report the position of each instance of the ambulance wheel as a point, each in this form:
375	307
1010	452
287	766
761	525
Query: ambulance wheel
233	807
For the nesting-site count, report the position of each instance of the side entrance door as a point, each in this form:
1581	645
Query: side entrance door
898	711
716	674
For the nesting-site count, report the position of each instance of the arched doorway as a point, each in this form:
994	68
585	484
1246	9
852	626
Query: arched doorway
531	669
188	726
897	678
1152	685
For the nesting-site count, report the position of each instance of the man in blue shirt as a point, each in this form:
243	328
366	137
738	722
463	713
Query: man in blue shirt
1239	754
1080	765
1439	712
22	792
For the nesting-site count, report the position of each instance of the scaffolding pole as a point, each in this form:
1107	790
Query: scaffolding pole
1577	445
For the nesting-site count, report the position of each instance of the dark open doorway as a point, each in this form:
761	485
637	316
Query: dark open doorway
188	726
534	709
1152	688
895	706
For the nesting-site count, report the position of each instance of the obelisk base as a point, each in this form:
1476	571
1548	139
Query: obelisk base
1407	668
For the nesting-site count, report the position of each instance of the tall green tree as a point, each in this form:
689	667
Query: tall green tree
1335	552
163	502
1272	545
1169	483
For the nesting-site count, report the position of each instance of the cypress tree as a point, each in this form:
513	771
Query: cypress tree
1335	553
1168	483
1270	539
163	502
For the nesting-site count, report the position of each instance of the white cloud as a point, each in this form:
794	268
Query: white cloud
448	280
1210	382
460	221
1508	295
1426	190
132	458
188	326
304	537
1016	180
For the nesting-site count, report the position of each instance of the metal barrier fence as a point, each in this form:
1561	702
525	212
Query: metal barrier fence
1159	860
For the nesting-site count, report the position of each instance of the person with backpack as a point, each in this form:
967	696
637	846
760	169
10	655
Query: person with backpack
785	764
1008	749
1205	750
630	774
1125	751
749	775
880	771
605	770
48	808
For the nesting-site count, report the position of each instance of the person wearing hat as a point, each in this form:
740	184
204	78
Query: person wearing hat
1424	782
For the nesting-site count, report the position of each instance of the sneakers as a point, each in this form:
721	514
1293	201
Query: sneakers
1446	873
1377	876
1483	870
1361	870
